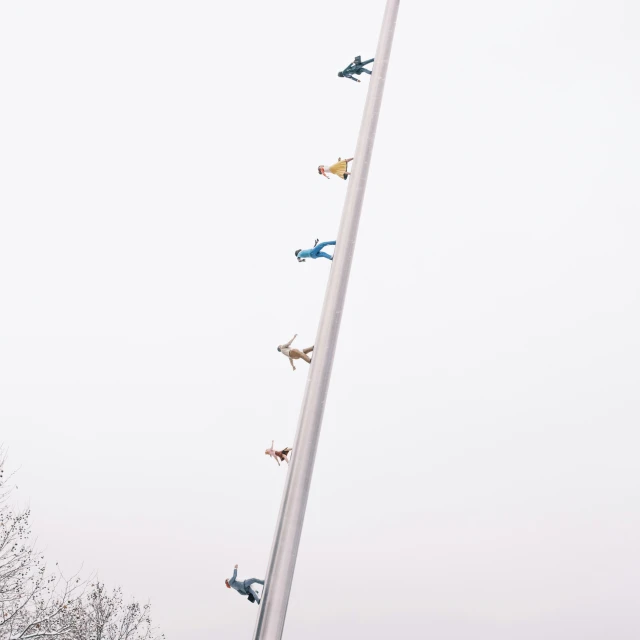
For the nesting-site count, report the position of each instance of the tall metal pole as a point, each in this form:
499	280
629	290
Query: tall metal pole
282	562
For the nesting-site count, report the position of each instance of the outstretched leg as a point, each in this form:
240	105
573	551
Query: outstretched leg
317	250
250	591
301	354
247	587
250	581
307	350
347	173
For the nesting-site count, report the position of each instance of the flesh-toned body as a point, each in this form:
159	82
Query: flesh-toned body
295	354
278	455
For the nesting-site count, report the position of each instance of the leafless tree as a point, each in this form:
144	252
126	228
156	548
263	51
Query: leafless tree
35	604
106	616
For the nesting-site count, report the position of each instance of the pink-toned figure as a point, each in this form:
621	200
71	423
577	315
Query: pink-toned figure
278	455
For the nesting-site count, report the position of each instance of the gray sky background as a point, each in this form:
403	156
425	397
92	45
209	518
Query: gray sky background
478	471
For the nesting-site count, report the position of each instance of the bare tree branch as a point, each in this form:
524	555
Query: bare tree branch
37	604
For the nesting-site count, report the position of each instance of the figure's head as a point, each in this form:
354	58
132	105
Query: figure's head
278	349
340	74
227	584
266	453
321	169
297	252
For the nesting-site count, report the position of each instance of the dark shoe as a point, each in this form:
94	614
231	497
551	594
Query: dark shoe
345	176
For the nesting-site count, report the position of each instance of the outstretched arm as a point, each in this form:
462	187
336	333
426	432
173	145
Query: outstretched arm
293	365
290	341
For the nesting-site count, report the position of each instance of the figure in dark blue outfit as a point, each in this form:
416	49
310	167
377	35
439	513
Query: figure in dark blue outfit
356	67
316	252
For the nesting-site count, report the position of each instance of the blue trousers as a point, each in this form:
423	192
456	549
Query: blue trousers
360	65
247	587
317	251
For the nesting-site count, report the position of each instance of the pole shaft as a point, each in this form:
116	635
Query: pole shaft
280	569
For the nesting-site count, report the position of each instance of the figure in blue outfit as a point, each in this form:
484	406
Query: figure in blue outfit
356	67
316	252
243	587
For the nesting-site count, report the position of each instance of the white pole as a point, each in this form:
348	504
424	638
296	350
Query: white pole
279	576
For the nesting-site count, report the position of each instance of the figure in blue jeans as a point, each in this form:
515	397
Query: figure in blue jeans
243	587
356	67
316	252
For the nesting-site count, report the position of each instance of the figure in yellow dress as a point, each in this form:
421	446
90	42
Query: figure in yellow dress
338	169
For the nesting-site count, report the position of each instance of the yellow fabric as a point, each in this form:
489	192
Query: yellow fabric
339	168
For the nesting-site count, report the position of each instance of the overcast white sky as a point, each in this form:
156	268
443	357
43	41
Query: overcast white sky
478	471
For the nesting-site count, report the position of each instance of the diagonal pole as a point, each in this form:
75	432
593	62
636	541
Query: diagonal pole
282	562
